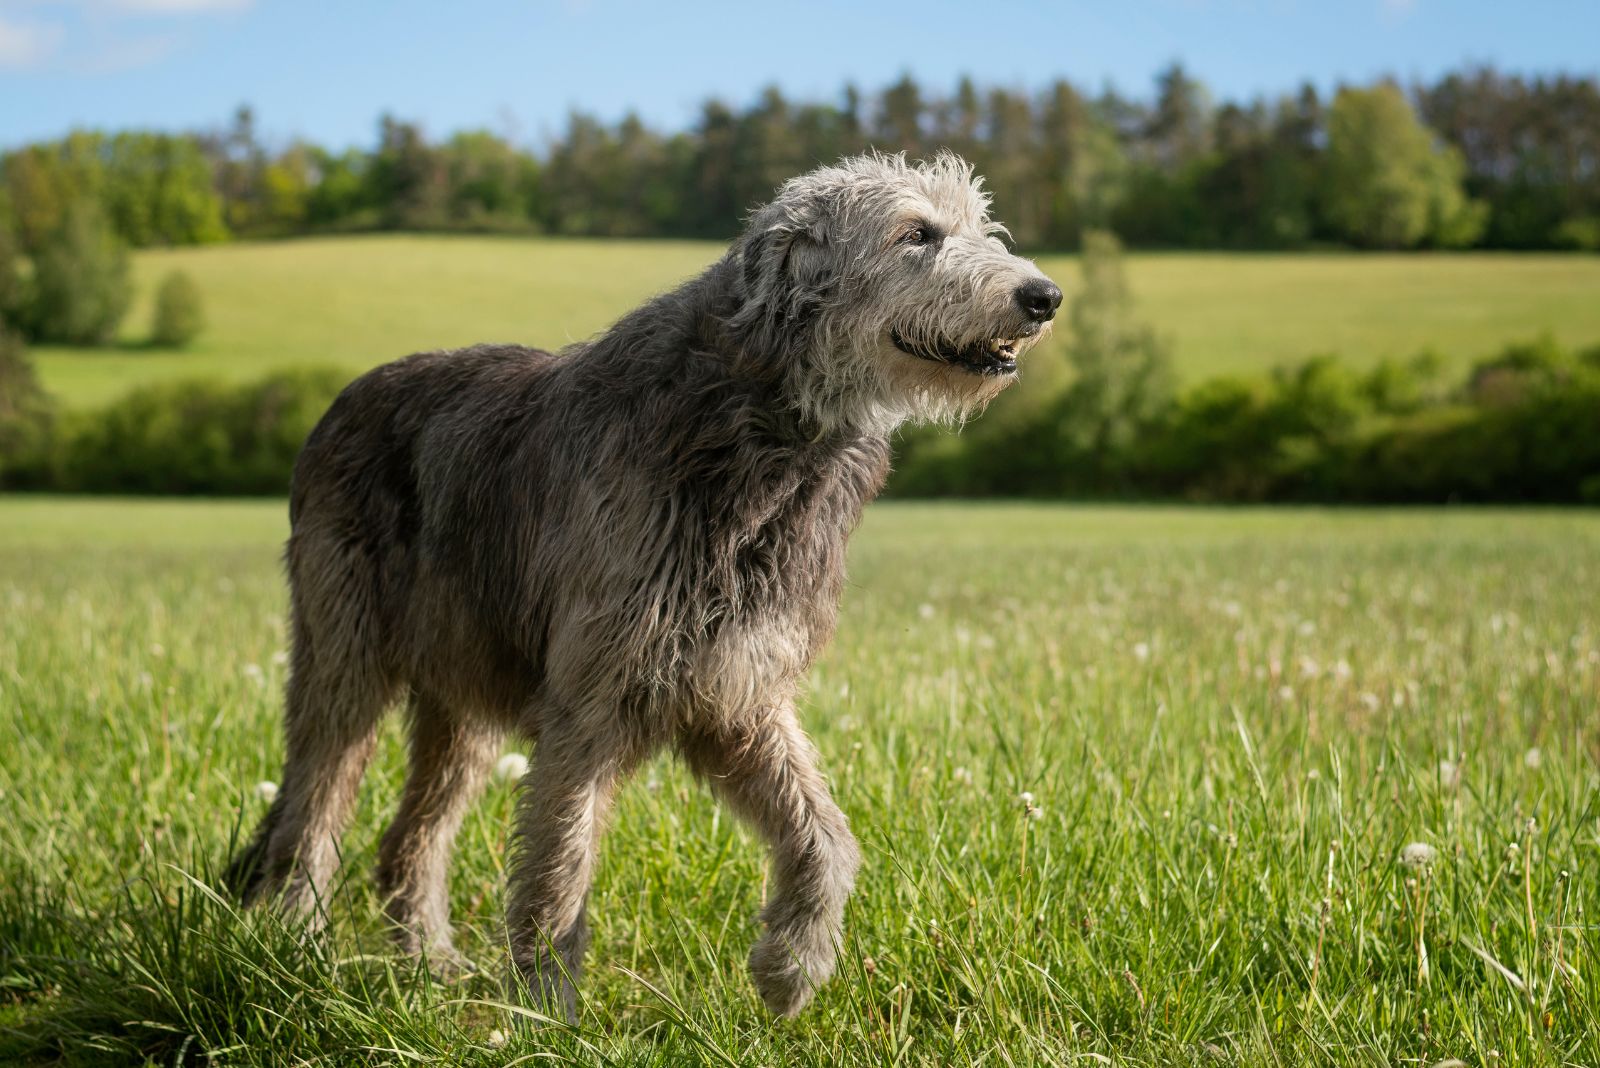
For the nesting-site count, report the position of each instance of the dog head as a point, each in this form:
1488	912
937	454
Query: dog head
885	289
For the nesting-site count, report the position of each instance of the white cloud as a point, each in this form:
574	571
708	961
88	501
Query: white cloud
178	7
130	53
24	44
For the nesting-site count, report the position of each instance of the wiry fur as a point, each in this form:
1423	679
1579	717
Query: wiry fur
635	544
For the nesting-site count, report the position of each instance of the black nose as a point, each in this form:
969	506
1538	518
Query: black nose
1039	298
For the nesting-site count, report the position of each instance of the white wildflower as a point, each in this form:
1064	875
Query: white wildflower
962	776
511	767
1026	798
1449	775
1418	855
1141	651
254	673
1532	758
267	791
925	611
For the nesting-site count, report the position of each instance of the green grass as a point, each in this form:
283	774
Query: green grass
358	301
1233	722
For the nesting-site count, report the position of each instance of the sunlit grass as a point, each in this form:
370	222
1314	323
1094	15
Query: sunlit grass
1232	724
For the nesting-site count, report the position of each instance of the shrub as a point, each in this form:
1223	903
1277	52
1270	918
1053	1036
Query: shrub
24	415
197	437
81	285
10	277
179	314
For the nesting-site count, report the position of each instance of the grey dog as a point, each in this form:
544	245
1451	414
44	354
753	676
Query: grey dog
634	544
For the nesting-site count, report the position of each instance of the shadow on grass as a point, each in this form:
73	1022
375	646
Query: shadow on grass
177	974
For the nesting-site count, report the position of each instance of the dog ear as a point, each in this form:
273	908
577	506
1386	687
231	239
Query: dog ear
783	257
785	273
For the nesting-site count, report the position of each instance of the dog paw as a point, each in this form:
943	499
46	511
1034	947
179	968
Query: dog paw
787	969
549	986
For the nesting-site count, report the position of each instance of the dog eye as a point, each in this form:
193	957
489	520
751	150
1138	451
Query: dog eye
917	235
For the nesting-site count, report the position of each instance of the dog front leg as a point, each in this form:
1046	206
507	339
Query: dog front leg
766	769
565	798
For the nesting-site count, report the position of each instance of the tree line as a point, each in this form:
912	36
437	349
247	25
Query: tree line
1478	158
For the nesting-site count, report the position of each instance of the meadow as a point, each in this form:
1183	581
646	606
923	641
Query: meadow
1135	786
357	301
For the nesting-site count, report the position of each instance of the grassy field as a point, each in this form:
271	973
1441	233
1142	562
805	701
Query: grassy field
358	301
1234	726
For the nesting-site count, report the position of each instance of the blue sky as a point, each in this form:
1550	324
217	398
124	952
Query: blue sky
325	69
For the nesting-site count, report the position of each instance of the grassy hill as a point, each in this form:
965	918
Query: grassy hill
357	301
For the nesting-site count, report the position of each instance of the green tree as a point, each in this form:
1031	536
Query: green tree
180	312
407	176
1387	181
491	183
1180	126
157	189
81	286
24	410
10	276
1122	372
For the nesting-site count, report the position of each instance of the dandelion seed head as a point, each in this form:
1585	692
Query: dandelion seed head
266	790
1418	855
1532	758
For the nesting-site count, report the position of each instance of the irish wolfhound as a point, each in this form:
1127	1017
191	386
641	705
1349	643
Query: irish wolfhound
633	544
